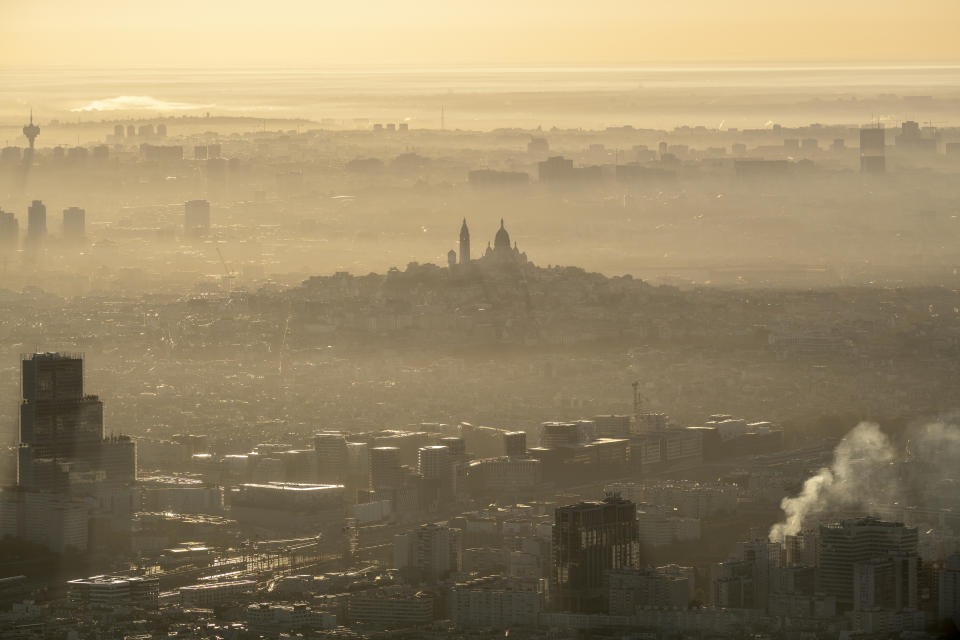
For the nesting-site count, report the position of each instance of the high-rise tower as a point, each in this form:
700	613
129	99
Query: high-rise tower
56	419
590	538
61	428
464	243
36	221
31	131
846	543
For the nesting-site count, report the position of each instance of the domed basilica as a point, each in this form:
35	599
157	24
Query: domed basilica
501	251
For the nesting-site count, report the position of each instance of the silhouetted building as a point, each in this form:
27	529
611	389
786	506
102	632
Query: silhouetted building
31	131
887	582
589	539
385	473
555	169
331	452
845	544
436	467
56	418
66	470
36	221
464	243
9	229
515	444
873	149
74	222
948	590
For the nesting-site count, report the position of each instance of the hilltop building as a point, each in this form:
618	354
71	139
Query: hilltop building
501	252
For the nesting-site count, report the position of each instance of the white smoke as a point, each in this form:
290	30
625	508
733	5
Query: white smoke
861	473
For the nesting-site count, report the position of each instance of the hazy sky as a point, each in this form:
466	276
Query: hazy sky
325	32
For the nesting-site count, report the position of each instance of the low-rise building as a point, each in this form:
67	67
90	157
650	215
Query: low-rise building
496	602
216	594
115	591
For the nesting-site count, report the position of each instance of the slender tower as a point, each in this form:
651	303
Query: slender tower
31	131
464	243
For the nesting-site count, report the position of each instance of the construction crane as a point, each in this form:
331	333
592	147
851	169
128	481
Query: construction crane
228	275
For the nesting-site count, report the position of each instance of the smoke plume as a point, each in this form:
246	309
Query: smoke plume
861	472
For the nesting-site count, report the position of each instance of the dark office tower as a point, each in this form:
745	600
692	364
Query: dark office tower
872	149
464	243
131	131
385	468
196	221
457	446
161	130
200	152
437	470
9	229
589	539
74	223
56	419
435	463
36	221
515	443
845	544
118	131
331	451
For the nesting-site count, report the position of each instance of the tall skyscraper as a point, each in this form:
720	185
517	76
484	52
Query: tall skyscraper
437	467
36	221
434	462
515	443
331	451
9	229
464	243
63	456
385	472
56	419
948	589
74	223
590	538
845	544
61	428
873	149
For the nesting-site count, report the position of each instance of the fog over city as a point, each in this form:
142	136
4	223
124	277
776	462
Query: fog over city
430	320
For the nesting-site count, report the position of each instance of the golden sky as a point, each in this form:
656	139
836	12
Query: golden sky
371	32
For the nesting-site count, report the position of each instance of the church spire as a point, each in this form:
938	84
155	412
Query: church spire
464	243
